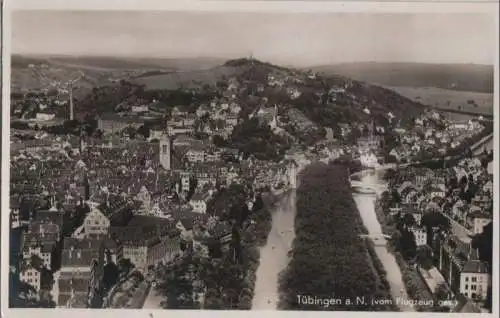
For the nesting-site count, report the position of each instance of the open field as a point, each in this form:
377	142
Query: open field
188	79
481	103
457	77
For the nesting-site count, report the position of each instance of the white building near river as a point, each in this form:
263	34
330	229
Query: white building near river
369	160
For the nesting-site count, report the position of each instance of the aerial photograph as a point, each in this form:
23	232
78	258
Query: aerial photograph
251	161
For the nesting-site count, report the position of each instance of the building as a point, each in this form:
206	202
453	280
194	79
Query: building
420	236
44	117
144	241
113	124
31	276
96	223
81	272
477	220
40	240
166	153
474	280
199	201
144	196
15	219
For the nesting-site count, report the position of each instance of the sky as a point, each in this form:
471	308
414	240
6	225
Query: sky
299	39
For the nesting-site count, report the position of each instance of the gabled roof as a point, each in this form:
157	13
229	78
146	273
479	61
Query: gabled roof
475	267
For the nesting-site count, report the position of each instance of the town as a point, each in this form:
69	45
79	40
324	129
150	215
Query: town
107	209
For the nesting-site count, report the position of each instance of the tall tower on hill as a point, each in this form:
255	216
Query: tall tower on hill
166	152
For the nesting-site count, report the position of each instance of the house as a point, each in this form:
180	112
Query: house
488	187
81	272
477	220
144	241
179	111
96	223
196	154
474	280
44	116
15	219
163	250
134	250
420	236
40	240
144	197
231	120
199	201
202	111
185	226
221	232
31	276
436	192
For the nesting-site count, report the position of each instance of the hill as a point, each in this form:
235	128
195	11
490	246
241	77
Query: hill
325	100
36	72
459	77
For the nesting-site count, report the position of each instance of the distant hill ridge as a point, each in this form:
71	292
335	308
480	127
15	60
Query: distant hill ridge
460	77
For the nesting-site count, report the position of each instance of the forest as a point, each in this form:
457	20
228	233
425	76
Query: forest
329	258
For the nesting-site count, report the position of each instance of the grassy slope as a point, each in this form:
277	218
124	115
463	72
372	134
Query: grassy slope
461	77
451	99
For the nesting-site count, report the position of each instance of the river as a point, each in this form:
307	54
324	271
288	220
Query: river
274	255
366	207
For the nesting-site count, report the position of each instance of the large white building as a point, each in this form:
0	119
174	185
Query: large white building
420	236
31	276
474	280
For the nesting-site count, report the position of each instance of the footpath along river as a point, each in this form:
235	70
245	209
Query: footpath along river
366	207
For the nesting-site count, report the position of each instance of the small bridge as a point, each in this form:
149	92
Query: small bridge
379	239
367	188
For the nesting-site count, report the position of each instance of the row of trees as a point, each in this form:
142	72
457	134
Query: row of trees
329	258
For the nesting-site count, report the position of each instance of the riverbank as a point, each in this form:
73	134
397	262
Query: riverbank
331	267
415	286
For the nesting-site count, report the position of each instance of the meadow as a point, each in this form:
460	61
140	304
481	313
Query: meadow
481	103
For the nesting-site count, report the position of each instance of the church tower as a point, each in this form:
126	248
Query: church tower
165	152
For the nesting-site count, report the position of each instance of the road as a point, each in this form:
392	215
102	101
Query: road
274	255
366	207
153	299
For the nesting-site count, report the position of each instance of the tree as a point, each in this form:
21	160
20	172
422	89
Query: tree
435	221
407	244
407	221
144	130
111	275
424	257
125	266
219	141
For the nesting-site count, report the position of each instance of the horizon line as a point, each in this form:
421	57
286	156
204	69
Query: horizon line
120	56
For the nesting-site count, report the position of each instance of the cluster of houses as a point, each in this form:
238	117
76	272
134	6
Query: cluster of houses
433	134
443	191
80	203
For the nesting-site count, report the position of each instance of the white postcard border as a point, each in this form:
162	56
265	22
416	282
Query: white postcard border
217	6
